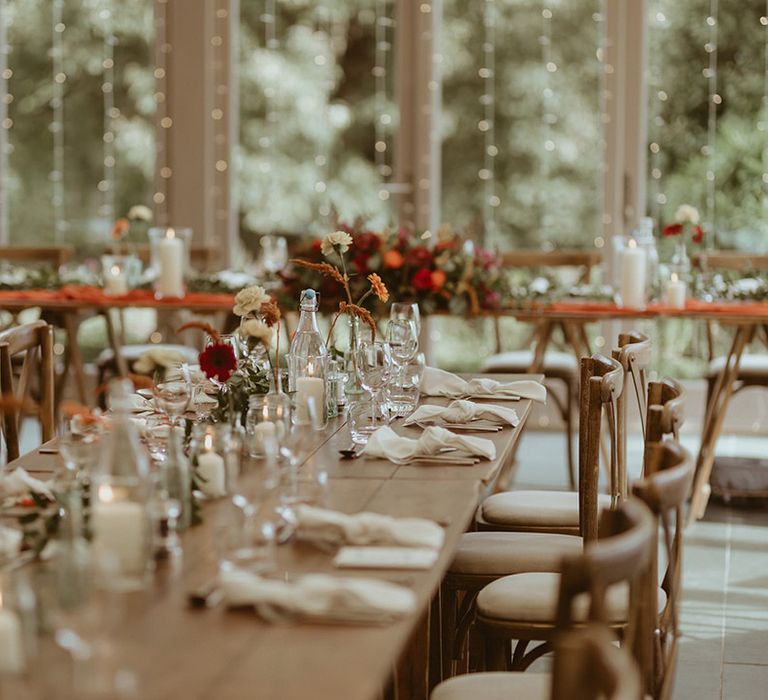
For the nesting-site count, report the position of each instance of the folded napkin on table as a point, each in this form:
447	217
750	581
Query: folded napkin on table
331	527
438	382
461	411
138	404
10	542
19	483
386	443
319	597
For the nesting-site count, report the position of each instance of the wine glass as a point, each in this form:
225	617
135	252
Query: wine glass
373	365
403	342
79	447
408	311
274	253
172	391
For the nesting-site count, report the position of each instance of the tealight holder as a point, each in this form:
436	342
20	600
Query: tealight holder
269	416
214	454
115	270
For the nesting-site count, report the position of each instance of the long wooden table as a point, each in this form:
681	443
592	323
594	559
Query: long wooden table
232	655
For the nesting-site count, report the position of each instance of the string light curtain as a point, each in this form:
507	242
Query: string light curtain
713	102
107	184
57	120
163	171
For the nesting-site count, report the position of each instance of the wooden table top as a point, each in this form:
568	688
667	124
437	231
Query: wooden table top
230	655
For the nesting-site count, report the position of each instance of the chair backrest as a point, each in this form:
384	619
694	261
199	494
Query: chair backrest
35	341
664	489
589	666
602	382
634	354
622	554
731	260
585	259
55	255
666	404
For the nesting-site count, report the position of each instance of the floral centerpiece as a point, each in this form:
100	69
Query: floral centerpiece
448	275
685	227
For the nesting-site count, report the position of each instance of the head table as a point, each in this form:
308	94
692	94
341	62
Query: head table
743	319
177	652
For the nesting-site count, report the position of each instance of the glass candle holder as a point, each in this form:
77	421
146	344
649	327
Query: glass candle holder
169	260
115	275
215	458
269	416
18	623
309	376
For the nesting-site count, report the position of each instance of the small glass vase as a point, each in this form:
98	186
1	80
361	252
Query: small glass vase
269	416
252	350
680	263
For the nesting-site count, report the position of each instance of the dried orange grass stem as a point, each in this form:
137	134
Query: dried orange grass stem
202	326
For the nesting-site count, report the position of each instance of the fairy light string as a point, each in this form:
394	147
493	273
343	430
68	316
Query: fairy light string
106	185
714	100
487	173
57	119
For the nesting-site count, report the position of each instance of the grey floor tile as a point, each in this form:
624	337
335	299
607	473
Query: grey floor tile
745	682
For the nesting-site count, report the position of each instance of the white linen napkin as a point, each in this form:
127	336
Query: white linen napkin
462	411
10	542
333	528
386	443
19	483
319	597
438	382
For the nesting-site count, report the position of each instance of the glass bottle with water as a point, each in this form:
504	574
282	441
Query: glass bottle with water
307	342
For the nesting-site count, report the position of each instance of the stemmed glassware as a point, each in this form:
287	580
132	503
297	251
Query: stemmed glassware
172	390
373	365
403	342
407	311
274	253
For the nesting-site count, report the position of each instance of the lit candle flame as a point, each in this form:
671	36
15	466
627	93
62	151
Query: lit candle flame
674	277
106	495
632	243
208	442
170	233
115	270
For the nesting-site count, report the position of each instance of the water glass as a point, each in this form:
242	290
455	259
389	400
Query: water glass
363	417
408	311
274	253
373	365
79	449
404	392
172	391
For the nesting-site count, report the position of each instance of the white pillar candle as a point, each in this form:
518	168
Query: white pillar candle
676	292
211	470
309	388
115	281
170	256
633	270
261	433
11	642
120	528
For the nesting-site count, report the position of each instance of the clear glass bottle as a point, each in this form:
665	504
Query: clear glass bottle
646	240
308	366
307	341
120	495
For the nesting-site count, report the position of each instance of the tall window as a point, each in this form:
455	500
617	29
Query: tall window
79	124
316	113
521	120
708	111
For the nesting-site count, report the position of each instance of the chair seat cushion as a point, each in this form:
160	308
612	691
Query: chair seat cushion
532	597
520	360
751	366
536	508
503	553
495	686
131	353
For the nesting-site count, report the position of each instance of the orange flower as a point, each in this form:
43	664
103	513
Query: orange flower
438	279
378	286
120	228
393	260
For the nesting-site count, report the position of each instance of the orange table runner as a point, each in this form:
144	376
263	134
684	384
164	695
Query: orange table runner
97	297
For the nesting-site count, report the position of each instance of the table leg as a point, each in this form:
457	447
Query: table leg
412	671
713	421
122	367
74	358
543	337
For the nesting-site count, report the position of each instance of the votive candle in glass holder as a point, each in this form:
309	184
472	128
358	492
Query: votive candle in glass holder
310	375
676	292
115	272
215	457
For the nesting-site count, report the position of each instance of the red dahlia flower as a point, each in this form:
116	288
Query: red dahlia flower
698	234
218	361
422	280
672	230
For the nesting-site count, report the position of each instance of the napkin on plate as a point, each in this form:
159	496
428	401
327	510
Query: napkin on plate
386	443
333	528
19	483
438	382
462	411
319	597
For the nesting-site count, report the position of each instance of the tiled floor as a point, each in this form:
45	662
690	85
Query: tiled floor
724	612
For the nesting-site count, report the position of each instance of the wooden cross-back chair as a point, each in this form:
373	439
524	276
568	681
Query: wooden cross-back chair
620	558
482	557
665	489
634	354
556	511
55	255
666	409
557	365
522	607
33	341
